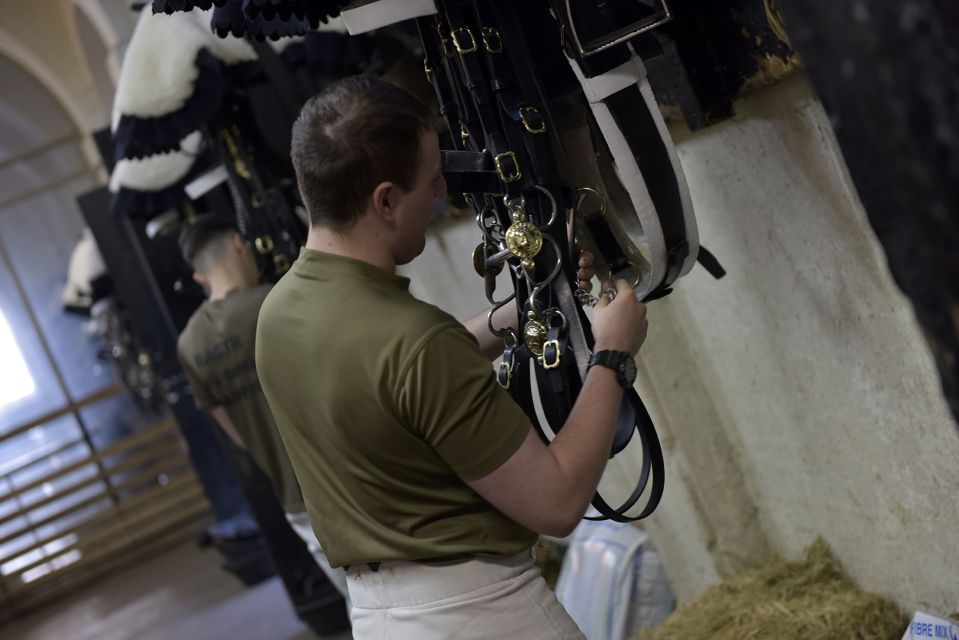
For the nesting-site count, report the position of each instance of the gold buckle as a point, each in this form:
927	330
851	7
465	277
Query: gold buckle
456	41
427	70
444	41
264	244
491	34
498	160
239	166
555	363
281	263
524	113
509	375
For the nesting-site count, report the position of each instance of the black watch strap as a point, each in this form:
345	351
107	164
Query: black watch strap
620	362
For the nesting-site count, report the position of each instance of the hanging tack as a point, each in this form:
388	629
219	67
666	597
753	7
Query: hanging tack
524	239
534	334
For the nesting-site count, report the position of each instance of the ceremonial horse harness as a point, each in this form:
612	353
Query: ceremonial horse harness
550	110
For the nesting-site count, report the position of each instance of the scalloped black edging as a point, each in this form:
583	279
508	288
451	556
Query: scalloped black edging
259	19
172	6
137	138
272	9
315	11
146	204
232	19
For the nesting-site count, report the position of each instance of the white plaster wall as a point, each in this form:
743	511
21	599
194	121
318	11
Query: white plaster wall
795	397
444	275
812	357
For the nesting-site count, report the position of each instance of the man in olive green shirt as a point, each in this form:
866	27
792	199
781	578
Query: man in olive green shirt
421	474
216	352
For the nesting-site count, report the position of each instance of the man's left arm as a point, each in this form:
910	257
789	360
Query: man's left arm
491	345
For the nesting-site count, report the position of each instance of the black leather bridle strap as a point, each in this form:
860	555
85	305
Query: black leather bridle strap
489	85
653	469
467	42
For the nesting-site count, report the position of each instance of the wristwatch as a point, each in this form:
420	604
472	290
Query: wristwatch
620	362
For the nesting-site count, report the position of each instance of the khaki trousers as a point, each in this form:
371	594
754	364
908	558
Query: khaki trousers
482	598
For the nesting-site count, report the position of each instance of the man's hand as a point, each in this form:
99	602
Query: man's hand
619	324
586	271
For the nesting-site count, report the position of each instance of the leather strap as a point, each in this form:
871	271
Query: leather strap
710	263
469	172
486	82
653	469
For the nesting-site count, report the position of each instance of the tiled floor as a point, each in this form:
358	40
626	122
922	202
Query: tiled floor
180	595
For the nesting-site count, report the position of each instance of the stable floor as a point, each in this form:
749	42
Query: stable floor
182	594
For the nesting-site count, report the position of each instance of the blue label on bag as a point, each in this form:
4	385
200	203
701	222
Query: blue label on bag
925	626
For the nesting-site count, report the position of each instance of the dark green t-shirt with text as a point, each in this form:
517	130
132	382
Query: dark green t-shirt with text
216	351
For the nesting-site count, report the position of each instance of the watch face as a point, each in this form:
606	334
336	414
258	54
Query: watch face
629	370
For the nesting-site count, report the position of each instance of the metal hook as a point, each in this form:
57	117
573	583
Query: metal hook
556	312
539	286
552	203
559	260
499	333
581	195
514	204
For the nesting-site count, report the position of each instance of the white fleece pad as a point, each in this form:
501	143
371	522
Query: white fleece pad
158	71
157	172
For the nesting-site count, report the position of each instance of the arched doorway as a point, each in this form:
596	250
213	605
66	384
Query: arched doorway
98	40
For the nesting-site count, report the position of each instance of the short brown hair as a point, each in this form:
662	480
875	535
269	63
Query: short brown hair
353	135
197	236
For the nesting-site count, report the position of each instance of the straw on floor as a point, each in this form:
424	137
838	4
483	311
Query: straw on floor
809	600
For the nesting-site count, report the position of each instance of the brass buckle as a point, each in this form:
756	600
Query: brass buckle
491	35
555	363
456	41
427	70
508	368
281	263
532	127
507	177
264	244
444	41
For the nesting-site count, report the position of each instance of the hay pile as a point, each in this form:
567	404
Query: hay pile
809	600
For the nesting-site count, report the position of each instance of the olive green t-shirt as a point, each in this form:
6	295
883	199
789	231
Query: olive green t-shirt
216	351
386	405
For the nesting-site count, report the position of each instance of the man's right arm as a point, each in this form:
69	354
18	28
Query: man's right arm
223	419
548	488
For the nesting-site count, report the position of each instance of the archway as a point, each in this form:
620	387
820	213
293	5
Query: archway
98	41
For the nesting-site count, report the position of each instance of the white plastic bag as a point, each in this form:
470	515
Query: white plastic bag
612	582
925	625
